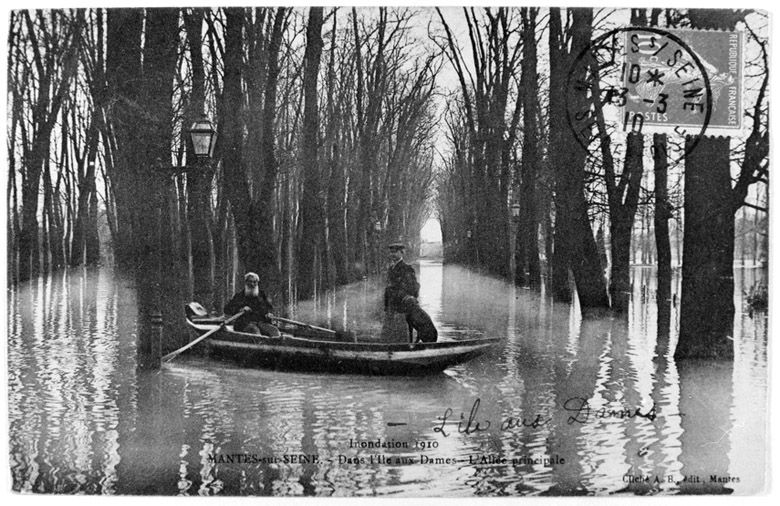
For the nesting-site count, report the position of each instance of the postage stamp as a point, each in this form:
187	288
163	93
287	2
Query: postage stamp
653	86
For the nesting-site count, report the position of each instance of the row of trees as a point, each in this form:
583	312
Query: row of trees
327	129
324	152
513	147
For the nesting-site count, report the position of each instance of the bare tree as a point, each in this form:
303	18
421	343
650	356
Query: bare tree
707	304
527	236
40	89
574	244
495	51
310	239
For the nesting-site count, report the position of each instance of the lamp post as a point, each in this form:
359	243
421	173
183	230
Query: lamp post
469	248
515	208
203	136
378	236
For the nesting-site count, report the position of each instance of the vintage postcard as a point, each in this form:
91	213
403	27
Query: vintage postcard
387	251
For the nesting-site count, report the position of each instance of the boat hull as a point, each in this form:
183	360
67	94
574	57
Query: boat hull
303	353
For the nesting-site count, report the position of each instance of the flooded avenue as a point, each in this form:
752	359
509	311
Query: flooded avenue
561	406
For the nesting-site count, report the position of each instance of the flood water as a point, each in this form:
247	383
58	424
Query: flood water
85	418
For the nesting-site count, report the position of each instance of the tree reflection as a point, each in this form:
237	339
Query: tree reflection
705	405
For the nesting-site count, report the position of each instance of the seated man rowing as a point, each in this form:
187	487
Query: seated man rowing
258	310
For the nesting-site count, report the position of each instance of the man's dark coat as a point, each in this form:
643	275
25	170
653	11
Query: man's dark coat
401	281
260	306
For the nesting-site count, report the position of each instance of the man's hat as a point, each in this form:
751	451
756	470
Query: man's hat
396	246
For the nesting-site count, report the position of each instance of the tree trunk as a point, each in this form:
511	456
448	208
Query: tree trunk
661	223
49	240
220	227
153	209
527	235
623	204
98	93
252	214
337	223
311	221
123	69
575	247
236	189
562	245
368	116
159	66
263	258
336	231
707	305
86	190
92	237
29	246
13	219
199	182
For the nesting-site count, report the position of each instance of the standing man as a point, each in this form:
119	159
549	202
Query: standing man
401	301
258	310
401	280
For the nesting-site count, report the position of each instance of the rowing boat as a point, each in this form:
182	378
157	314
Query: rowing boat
308	349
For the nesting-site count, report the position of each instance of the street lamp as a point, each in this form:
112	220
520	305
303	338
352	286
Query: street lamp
513	241
203	136
515	209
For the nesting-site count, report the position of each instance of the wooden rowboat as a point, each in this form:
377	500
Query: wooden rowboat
305	349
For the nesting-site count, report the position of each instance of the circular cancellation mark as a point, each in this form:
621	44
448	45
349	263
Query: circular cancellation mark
638	79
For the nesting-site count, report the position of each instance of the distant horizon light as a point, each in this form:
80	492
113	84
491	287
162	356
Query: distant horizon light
431	231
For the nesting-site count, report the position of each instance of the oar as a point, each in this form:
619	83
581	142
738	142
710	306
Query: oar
186	347
301	324
348	335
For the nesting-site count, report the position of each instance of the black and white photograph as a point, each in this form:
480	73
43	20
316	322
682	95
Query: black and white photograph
395	251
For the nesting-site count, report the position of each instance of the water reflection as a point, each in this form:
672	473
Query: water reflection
66	382
85	418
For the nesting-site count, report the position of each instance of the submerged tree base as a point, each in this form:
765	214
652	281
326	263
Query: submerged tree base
707	288
717	347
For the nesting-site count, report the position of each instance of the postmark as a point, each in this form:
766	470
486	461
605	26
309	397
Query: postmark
632	78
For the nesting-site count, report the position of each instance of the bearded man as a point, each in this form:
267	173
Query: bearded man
258	310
